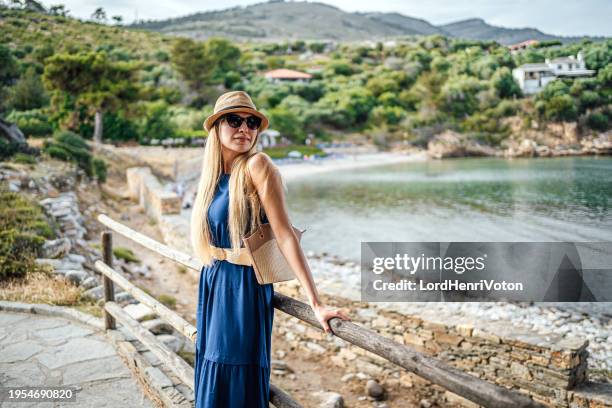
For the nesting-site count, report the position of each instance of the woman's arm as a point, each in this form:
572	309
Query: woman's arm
268	183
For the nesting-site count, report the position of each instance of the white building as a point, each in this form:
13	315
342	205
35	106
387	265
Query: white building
268	137
533	77
570	66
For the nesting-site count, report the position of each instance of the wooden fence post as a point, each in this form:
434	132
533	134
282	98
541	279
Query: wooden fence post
109	287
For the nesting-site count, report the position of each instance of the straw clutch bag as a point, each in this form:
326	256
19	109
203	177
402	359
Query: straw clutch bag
268	261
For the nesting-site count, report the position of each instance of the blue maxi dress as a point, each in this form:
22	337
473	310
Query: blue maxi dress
234	322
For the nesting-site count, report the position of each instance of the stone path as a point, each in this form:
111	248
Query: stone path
52	351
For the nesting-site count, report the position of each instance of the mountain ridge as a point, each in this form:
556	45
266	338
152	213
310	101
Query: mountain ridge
300	20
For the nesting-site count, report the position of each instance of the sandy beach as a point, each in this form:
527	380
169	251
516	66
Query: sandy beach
309	168
185	164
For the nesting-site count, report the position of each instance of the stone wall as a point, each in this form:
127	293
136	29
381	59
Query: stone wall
552	372
144	187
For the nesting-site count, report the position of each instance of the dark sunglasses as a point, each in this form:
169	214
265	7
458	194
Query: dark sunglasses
235	121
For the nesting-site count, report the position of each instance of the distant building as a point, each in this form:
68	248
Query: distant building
523	45
532	78
570	66
287	75
268	137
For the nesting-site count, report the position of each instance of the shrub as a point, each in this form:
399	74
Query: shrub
505	108
390	115
167	300
347	107
119	128
28	92
588	100
157	123
23	229
187	119
504	83
17	252
458	96
68	146
99	169
32	122
7	149
561	108
126	254
341	68
281	152
598	121
486	128
288	124
24	158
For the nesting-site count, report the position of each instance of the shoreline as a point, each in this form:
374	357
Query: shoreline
293	171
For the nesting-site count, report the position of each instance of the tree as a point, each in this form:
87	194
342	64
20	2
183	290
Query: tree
458	96
192	62
605	76
8	72
288	124
93	81
599	55
34	5
382	83
223	54
157	123
28	93
387	115
347	107
31	5
504	84
58	10
99	15
118	19
561	108
8	66
340	67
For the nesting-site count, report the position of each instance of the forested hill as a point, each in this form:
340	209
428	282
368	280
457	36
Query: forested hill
58	73
299	20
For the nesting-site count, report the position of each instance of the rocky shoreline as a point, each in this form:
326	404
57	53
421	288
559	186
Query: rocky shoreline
530	144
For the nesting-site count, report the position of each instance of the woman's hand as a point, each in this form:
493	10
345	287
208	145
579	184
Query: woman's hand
323	314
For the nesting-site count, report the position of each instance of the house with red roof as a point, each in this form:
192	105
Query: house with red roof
287	75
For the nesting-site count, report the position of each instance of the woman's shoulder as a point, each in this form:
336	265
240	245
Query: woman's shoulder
260	163
263	171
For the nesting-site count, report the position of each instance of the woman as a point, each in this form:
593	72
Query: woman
239	188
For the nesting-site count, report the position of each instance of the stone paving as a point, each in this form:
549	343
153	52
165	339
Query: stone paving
53	351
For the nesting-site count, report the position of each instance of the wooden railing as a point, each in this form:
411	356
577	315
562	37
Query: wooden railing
429	368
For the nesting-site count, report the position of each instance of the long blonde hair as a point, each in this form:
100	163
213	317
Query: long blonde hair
244	203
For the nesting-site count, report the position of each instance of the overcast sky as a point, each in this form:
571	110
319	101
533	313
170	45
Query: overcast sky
561	17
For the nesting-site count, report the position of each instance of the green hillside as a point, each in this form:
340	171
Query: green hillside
65	34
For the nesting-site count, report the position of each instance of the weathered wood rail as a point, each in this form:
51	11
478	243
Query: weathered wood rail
429	368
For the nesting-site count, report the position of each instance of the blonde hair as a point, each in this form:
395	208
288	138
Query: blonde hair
244	203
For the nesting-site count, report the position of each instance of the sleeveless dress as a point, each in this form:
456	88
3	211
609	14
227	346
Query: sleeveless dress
234	322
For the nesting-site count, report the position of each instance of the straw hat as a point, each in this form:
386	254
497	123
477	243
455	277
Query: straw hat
235	101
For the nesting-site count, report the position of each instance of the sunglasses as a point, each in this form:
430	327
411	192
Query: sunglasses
235	121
